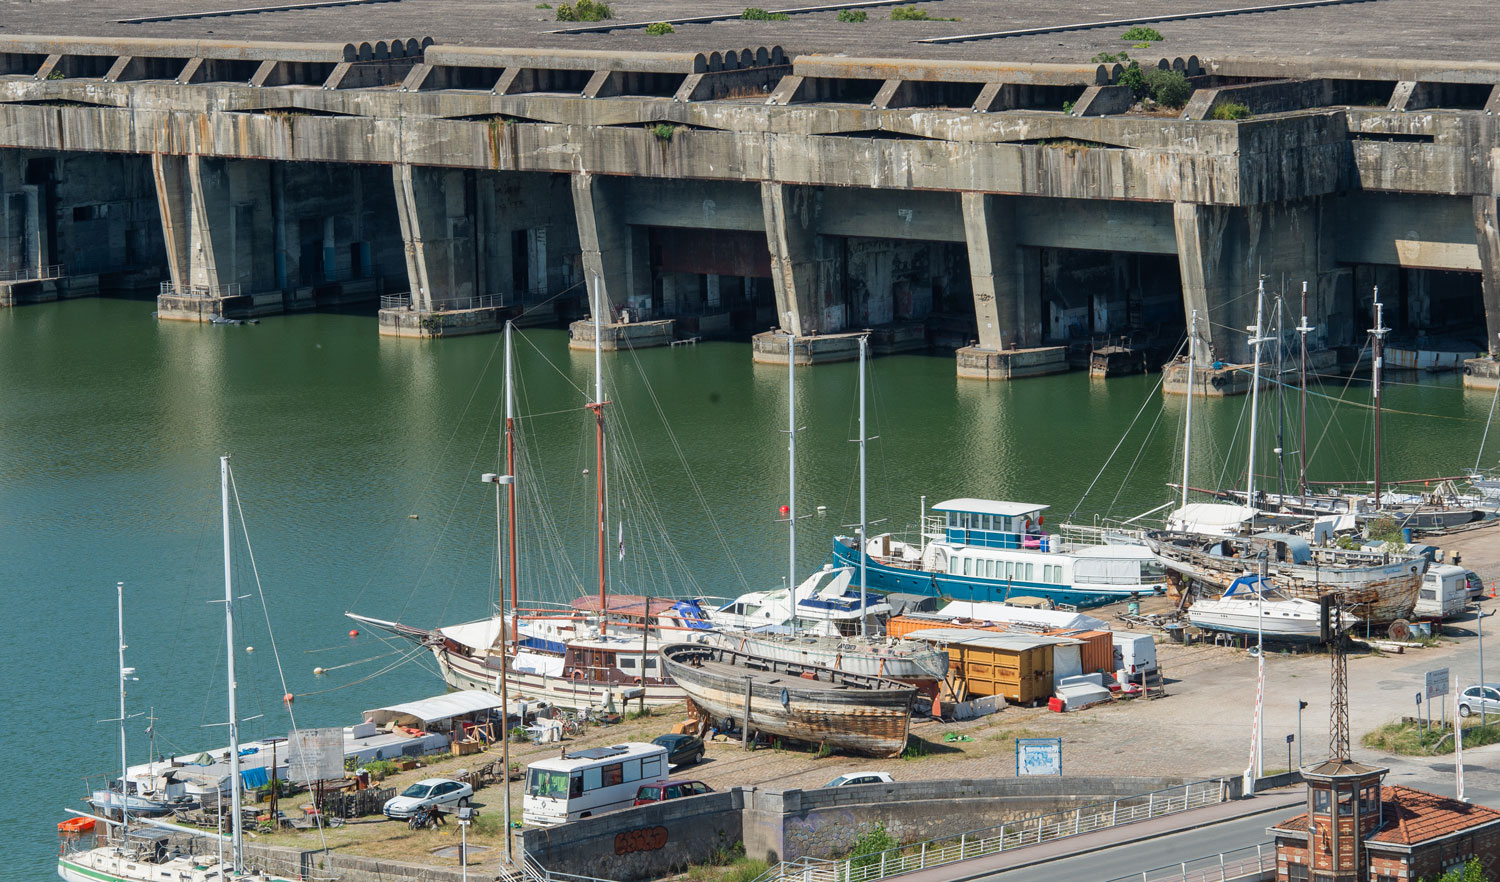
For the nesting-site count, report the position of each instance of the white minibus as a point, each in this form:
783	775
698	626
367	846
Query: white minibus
590	782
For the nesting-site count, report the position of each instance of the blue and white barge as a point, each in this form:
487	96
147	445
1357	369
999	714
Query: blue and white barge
985	550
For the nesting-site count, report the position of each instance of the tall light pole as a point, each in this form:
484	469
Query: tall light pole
502	481
1483	698
1301	705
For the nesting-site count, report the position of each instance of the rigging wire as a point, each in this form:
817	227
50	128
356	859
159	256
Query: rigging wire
1118	444
1478	457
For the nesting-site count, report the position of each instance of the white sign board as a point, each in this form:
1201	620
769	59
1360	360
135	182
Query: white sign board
1437	683
315	755
1038	756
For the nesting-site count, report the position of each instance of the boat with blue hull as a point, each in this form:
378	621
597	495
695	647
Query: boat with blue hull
985	550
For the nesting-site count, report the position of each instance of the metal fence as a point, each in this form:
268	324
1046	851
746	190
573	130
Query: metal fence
487	301
1250	862
231	289
1005	837
395	301
531	871
33	273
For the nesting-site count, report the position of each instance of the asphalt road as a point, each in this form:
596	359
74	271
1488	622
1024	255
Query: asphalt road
1112	863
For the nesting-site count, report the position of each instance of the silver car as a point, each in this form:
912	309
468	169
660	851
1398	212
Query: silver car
1476	698
428	792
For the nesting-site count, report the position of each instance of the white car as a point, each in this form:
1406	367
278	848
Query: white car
1476	699
853	778
428	792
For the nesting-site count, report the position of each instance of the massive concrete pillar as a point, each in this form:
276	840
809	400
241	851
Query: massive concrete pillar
213	256
1487	234
1200	244
433	206
604	238
791	234
1005	276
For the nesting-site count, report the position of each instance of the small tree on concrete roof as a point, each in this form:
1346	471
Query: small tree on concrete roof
1170	88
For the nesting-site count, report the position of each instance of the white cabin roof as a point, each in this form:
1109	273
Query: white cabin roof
989	611
990	507
436	708
1115	552
480	635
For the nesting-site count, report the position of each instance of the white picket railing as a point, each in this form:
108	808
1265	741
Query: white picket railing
1240	865
1005	837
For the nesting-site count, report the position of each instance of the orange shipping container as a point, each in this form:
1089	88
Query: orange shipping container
1097	652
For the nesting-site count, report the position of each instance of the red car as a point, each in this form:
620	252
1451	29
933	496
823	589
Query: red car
650	793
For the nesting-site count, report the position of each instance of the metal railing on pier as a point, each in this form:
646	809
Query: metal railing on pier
32	273
1240	865
232	289
1002	838
395	301
486	301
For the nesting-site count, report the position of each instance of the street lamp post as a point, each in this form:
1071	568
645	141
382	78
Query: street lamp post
1301	705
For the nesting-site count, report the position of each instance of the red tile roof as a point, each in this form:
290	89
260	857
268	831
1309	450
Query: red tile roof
1414	816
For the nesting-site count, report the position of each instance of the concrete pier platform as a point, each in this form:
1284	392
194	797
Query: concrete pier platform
632	335
203	304
24	291
1482	373
975	363
1208	381
899	337
770	347
402	321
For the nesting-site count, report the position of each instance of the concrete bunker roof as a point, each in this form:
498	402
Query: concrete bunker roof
1375	39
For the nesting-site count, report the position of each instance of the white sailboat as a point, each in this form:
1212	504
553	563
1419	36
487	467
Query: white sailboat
136	853
863	651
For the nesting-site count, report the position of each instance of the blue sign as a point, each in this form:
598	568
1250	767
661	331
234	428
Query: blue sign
1038	756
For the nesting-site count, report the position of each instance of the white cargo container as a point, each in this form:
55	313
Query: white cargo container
1135	652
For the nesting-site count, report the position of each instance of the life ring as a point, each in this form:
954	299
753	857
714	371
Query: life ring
577	675
1028	523
638	681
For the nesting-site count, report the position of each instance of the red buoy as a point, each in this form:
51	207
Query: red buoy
353	633
288	698
786	510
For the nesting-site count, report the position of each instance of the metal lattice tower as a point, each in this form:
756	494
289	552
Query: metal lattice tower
1338	724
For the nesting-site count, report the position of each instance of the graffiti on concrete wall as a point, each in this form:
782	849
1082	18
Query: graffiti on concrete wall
640	839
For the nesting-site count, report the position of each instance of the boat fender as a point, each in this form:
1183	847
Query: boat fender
637	681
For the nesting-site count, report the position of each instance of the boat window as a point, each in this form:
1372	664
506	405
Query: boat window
953	566
952	522
1153	571
1030	573
627	662
593	778
545	782
651	663
967	567
1010	570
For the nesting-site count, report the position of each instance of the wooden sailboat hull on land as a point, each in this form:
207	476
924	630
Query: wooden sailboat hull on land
817	705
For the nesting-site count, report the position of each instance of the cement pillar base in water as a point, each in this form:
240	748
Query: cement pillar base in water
975	363
631	335
426	323
1481	373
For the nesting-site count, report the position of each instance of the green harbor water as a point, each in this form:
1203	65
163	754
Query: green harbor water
358	459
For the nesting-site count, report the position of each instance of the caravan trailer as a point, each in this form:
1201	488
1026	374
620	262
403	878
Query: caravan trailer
1444	592
590	782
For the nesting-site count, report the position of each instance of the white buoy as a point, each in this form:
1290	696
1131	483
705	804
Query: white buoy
317	672
249	649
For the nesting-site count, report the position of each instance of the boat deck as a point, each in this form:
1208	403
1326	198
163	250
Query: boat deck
733	665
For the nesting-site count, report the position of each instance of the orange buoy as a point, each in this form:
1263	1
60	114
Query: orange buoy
353	632
288	698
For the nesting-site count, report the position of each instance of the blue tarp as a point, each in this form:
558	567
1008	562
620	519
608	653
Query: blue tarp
254	778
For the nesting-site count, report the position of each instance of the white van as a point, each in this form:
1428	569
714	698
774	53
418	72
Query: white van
1444	592
590	782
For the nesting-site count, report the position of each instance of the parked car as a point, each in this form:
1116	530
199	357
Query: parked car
861	778
650	793
682	750
1476	585
441	792
1475	698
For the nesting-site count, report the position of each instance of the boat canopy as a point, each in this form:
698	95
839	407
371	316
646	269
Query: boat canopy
989	639
1212	518
1256	584
480	635
423	713
991	507
1000	612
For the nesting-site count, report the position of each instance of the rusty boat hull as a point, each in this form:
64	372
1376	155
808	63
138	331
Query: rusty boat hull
818	705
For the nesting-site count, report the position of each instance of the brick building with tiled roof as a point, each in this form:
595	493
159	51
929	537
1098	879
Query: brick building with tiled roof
1405	834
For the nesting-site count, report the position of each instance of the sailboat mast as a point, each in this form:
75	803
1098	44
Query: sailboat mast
1256	339
124	672
864	540
1280	399
791	472
510	469
1378	333
1187	419
598	408
1304	329
234	720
